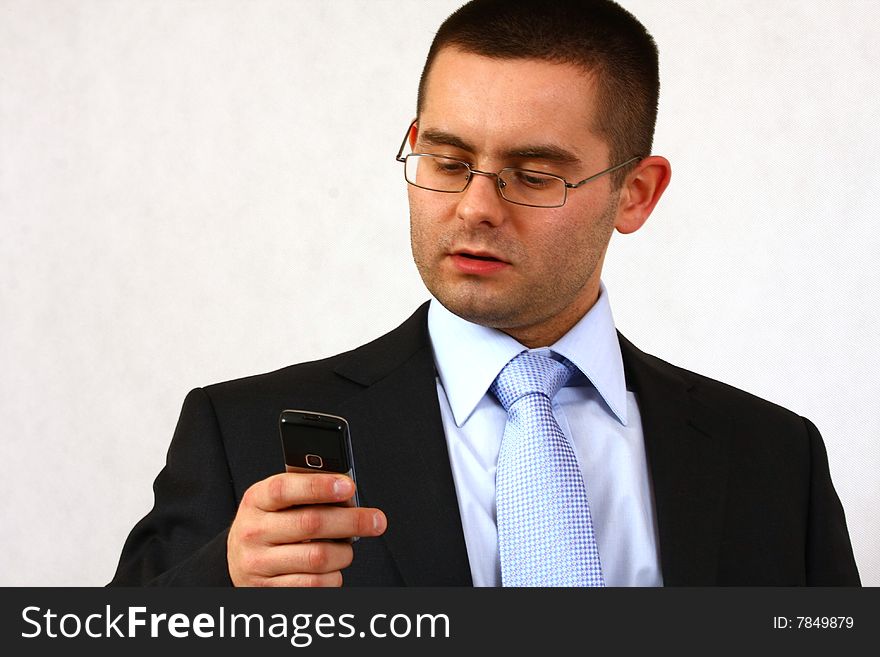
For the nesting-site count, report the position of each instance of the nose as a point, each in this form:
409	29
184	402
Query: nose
481	202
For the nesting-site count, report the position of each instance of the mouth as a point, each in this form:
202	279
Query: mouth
477	263
480	256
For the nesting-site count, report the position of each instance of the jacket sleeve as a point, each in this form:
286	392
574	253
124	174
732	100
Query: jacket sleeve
829	559
182	540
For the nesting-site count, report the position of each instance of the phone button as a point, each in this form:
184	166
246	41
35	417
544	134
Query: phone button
314	461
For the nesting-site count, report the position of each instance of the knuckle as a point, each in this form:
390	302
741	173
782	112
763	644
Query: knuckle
248	530
318	557
310	521
316	487
249	533
310	580
364	523
247	500
322	487
314	580
275	490
327	579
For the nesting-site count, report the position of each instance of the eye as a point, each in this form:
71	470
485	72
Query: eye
532	179
448	167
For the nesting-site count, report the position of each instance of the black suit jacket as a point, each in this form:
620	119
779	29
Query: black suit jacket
741	486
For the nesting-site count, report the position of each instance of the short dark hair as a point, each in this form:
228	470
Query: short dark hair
599	36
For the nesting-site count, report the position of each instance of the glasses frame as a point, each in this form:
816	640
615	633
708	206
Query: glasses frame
497	176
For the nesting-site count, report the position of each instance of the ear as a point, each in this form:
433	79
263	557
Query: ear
413	134
641	191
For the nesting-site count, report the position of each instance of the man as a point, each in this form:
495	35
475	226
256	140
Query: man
531	146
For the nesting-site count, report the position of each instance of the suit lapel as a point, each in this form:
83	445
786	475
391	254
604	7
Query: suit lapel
398	439
686	445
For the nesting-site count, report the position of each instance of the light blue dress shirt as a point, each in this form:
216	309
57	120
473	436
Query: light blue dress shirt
596	412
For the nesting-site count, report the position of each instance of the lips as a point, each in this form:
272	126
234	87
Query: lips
477	262
484	256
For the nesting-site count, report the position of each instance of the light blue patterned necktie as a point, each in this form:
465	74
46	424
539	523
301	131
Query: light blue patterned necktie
545	531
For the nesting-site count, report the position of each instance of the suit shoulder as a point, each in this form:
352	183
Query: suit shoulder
314	371
710	388
719	395
338	373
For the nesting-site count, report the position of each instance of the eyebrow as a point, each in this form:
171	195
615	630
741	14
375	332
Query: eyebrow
546	152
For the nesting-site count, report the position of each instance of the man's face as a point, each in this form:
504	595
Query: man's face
532	272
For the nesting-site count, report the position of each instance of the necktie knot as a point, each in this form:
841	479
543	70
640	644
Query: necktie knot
529	373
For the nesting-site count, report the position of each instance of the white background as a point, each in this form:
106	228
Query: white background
190	190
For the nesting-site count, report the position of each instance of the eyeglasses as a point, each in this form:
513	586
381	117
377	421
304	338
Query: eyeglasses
535	189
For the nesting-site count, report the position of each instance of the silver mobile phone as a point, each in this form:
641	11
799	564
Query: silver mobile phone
317	442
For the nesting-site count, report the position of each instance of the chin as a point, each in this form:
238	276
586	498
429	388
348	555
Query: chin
485	312
487	303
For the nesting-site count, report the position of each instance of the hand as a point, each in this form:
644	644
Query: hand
274	539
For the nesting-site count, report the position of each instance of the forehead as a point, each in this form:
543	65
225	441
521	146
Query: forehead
497	103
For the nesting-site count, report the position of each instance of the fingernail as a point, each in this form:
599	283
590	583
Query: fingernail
378	522
342	487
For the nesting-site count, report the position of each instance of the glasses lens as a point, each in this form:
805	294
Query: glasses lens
532	188
441	174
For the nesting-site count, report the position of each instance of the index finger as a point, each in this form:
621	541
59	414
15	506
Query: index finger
293	489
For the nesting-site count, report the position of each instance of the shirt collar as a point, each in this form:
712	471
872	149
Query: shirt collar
469	356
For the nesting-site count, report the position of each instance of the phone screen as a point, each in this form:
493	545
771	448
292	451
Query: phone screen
314	445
